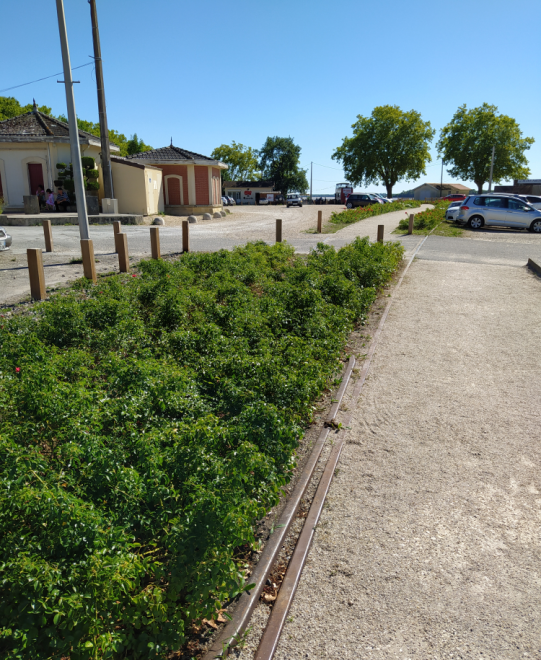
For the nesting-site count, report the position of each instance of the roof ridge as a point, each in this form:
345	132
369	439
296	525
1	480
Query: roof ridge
42	122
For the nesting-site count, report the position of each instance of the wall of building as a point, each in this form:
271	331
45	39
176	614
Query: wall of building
14	160
137	190
247	196
426	192
202	197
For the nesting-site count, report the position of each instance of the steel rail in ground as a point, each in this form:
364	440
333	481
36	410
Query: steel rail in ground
233	631
277	618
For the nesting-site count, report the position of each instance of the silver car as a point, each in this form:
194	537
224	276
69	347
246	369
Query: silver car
452	210
478	211
5	239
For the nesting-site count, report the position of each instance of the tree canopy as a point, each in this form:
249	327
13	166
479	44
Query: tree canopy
389	146
242	161
279	162
466	145
10	107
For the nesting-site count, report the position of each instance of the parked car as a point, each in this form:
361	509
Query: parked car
294	199
453	198
532	200
361	199
496	210
225	201
5	239
231	201
263	200
383	199
452	210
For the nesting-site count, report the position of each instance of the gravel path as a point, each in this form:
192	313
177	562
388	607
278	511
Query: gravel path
429	545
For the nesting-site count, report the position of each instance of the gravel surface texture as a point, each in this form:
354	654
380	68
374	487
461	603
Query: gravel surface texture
429	544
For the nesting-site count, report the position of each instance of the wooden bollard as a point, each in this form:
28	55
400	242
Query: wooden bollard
278	230
185	236
122	249
319	222
35	271
89	264
410	225
155	242
48	234
381	229
117	228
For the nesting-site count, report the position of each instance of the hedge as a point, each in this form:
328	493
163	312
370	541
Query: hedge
350	216
146	425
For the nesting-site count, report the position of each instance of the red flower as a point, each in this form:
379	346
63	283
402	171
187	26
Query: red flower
134	275
17	369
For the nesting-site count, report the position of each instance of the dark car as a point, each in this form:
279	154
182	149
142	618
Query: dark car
360	199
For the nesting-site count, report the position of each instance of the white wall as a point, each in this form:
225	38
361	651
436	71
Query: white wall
138	191
14	160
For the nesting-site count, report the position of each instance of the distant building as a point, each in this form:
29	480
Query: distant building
435	190
248	192
522	187
192	183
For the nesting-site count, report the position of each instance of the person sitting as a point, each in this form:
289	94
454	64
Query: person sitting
62	200
40	194
49	201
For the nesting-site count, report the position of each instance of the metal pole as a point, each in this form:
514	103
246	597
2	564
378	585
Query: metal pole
311	168
74	131
104	129
441	180
491	168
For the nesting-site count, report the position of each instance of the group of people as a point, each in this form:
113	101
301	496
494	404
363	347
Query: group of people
47	199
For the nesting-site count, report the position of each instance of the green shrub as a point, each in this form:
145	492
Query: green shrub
428	219
350	216
88	162
146	424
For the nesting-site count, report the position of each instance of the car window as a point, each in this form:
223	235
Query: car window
364	197
534	200
517	206
496	202
479	201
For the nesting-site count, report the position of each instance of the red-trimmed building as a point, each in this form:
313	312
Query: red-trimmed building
192	183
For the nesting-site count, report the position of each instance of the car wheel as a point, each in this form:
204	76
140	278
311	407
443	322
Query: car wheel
475	222
349	205
300	205
536	226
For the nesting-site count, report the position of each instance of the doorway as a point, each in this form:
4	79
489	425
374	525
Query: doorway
35	176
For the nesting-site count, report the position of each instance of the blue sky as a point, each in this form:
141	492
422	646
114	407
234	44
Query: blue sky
206	73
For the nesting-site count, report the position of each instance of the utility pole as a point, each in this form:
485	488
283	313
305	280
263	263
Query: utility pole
311	168
74	131
104	129
441	180
491	168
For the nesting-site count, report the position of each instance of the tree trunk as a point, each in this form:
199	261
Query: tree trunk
389	187
479	185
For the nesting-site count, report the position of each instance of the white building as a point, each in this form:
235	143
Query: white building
248	192
30	147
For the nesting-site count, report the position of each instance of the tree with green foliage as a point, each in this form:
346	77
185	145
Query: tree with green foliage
466	145
389	146
242	162
10	107
279	162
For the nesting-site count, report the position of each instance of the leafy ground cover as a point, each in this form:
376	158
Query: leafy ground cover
146	424
341	219
431	220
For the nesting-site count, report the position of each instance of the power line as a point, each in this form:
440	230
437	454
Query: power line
7	89
329	168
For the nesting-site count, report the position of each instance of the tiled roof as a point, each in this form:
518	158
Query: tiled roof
170	153
248	184
454	186
35	124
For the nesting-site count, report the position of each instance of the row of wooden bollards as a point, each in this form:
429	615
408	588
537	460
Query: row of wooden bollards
35	260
